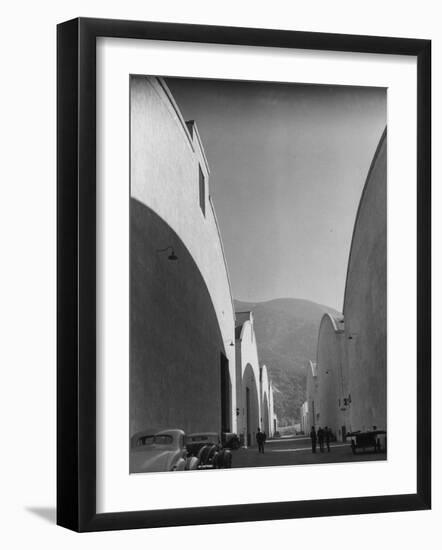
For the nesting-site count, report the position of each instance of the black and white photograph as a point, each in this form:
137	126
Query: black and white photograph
258	274
220	262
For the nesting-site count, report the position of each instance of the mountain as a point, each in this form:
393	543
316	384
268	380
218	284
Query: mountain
286	335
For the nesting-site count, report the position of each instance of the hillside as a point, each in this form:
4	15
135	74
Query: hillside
286	334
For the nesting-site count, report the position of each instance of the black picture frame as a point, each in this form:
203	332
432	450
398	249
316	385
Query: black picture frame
76	273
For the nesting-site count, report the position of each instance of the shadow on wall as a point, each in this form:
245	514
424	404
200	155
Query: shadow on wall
175	340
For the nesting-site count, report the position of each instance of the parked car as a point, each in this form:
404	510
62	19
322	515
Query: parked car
207	448
231	441
160	451
370	439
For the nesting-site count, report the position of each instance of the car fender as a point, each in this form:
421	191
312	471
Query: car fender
205	454
180	465
192	463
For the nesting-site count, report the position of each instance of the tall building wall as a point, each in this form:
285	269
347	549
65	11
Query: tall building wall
312	409
273	418
332	376
365	302
182	317
248	381
265	402
175	339
305	424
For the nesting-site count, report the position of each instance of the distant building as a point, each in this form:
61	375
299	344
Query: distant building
268	418
273	419
305	423
332	376
254	388
182	328
312	407
248	388
350	386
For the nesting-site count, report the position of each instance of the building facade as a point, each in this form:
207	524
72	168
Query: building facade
305	421
349	390
254	389
332	399
268	417
365	302
311	408
182	322
248	374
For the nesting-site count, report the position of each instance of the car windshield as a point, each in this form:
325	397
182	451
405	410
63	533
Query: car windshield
163	440
147	440
202	438
195	438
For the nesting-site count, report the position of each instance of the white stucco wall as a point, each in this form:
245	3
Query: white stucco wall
312	395
165	161
365	301
304	418
332	379
265	400
273	419
351	377
248	368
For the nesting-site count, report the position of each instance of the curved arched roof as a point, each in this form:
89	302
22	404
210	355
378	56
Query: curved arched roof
381	143
190	129
314	368
336	322
264	373
241	320
188	133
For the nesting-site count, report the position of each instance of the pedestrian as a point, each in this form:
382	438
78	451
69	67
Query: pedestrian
327	435
260	439
313	438
321	439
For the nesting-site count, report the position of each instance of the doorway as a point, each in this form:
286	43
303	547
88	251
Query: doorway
225	395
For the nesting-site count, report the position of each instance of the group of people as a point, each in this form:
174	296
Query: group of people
321	436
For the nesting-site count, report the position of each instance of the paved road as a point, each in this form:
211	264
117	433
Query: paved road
297	450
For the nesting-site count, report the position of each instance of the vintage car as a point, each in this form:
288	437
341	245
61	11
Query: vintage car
160	451
231	441
370	439
207	448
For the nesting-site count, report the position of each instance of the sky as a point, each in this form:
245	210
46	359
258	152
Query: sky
288	163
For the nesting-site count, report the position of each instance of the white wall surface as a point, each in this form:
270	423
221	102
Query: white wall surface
165	177
27	277
249	356
169	186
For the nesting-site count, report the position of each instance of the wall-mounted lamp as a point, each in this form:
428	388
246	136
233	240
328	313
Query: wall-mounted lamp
347	400
172	256
231	342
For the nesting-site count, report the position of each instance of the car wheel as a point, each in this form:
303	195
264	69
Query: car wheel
227	463
192	463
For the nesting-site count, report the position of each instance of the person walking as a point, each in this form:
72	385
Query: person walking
313	438
327	436
321	439
260	439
